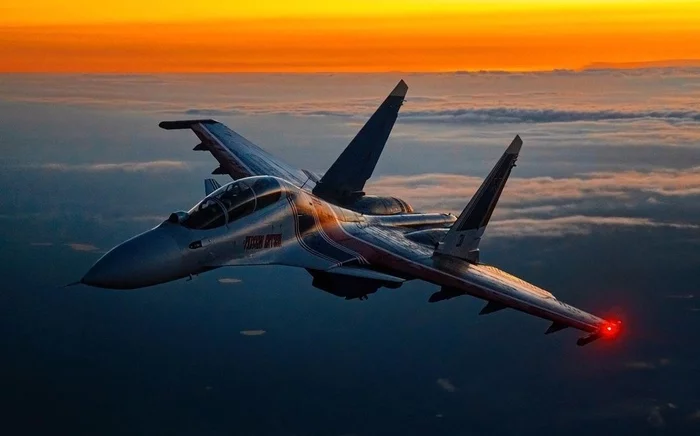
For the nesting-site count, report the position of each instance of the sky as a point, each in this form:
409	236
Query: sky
602	210
343	36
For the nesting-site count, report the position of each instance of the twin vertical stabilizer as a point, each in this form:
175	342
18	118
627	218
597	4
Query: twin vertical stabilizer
346	178
462	240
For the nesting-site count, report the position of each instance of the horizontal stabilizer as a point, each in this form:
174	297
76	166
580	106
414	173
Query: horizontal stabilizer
462	240
349	173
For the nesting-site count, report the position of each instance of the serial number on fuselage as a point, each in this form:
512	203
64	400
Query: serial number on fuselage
257	242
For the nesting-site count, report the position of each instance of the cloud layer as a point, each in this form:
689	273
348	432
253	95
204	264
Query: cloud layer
546	206
430	190
572	225
504	115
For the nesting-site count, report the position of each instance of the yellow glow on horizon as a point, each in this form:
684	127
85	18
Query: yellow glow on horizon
33	12
343	35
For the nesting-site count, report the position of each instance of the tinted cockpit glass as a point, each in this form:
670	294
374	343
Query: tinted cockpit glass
208	214
267	192
232	202
238	199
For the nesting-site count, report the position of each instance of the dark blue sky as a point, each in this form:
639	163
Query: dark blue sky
602	210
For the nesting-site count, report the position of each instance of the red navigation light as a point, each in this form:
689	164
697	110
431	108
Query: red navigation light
610	329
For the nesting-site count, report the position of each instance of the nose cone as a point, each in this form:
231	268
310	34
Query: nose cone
147	259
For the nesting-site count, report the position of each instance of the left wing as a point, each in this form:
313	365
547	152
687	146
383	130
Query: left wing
237	156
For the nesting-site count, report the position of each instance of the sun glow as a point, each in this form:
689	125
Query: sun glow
359	35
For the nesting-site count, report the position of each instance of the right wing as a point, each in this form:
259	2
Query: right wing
237	156
389	251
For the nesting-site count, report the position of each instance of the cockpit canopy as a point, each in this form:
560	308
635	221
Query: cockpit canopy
233	201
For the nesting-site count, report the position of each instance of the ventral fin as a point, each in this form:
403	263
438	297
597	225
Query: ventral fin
492	307
555	327
587	339
444	294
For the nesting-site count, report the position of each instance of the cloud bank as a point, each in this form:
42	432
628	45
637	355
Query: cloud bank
437	191
572	225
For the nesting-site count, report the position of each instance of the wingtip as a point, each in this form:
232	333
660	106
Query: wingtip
400	90
184	124
515	146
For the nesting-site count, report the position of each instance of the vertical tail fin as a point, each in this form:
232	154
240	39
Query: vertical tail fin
347	176
462	240
210	185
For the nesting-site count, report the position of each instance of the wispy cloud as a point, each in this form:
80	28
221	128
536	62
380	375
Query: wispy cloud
642	365
81	247
431	111
503	115
446	385
655	419
159	165
229	281
571	225
681	297
253	332
647	364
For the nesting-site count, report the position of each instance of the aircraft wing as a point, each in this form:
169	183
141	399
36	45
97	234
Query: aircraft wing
388	250
237	156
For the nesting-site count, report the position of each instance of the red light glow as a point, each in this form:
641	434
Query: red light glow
610	329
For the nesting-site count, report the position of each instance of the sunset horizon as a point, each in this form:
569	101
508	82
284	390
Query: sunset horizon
364	36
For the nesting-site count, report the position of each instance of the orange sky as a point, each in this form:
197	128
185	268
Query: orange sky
341	35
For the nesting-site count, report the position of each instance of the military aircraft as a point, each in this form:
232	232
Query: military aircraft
351	244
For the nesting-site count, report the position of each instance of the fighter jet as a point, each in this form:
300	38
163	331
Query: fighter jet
269	216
